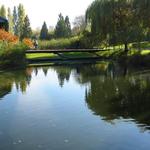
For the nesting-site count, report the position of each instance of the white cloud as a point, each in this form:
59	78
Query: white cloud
48	10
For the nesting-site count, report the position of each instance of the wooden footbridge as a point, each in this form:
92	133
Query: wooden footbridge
65	51
62	57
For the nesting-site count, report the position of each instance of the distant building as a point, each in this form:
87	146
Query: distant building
4	23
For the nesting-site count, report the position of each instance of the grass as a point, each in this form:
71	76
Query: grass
52	56
78	54
133	50
145	52
140	52
40	55
135	56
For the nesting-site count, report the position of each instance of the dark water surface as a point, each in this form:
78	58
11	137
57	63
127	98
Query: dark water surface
78	107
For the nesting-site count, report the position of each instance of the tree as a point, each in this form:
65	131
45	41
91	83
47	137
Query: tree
36	33
114	21
15	21
142	16
44	32
10	20
142	11
68	27
20	21
3	11
63	27
79	24
27	31
60	29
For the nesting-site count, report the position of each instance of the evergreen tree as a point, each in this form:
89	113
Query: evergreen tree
44	32
27	31
60	29
68	27
20	21
10	20
15	21
3	11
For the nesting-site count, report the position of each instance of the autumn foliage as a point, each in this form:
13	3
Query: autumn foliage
28	42
8	37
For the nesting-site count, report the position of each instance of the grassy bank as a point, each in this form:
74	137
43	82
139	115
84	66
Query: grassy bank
54	56
135	56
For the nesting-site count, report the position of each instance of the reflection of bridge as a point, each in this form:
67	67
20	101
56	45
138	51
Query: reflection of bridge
62	53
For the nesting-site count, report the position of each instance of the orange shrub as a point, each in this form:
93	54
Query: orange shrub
28	42
6	36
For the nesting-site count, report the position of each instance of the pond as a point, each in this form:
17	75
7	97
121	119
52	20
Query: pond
75	107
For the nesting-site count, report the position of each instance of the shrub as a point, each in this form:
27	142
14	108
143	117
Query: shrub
28	43
65	43
8	37
12	54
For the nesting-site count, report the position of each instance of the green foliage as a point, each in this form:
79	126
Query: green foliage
63	27
10	20
27	31
12	55
119	21
60	27
20	21
15	18
142	12
3	11
87	40
68	26
44	32
59	43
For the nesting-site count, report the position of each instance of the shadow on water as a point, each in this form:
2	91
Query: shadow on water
113	92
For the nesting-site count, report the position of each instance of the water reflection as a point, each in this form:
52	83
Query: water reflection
112	92
124	97
21	79
63	74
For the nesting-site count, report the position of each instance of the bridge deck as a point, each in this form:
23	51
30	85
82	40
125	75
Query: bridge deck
65	51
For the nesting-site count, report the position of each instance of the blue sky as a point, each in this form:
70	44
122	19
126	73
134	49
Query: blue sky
48	10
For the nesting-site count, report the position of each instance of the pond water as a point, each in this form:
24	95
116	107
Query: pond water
76	107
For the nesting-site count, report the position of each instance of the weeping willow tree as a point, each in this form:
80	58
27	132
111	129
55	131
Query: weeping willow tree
114	20
100	14
142	14
143	11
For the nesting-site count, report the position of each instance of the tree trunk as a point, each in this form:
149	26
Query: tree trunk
126	47
139	45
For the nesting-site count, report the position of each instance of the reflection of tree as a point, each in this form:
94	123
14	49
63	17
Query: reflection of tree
18	78
89	72
5	88
108	95
122	97
63	74
45	70
111	95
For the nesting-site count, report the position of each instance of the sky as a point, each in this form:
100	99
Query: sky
48	10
